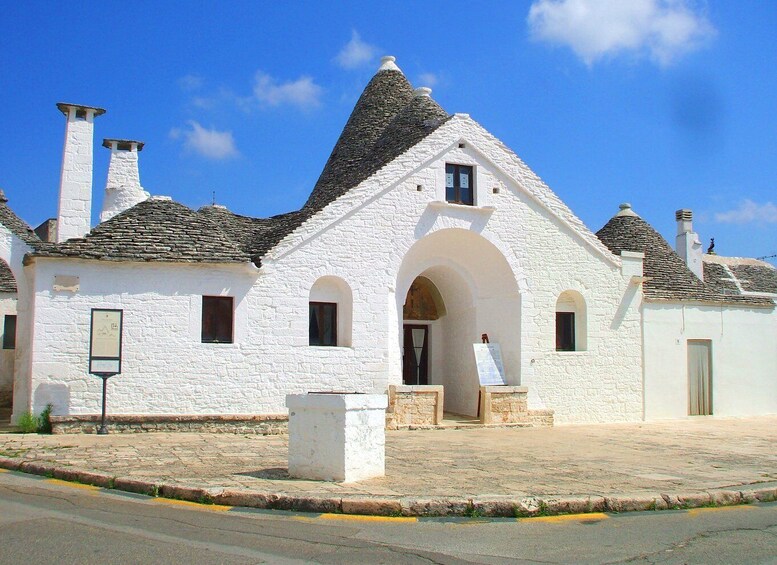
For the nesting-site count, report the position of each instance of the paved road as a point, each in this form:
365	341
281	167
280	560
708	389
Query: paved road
46	521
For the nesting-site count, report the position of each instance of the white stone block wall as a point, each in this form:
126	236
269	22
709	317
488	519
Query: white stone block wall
744	358
502	270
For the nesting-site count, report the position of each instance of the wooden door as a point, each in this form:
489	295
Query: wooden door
699	377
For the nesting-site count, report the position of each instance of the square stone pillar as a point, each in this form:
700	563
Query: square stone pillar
337	436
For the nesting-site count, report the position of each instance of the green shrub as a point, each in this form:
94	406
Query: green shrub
44	420
27	423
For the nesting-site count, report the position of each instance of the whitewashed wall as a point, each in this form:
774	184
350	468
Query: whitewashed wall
7	356
524	251
744	358
13	250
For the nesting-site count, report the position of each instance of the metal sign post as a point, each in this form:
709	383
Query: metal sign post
105	350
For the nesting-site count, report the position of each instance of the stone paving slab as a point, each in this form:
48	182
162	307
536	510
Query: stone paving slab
506	471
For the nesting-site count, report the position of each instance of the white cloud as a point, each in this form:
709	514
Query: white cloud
355	53
302	92
190	82
209	143
428	79
593	29
749	212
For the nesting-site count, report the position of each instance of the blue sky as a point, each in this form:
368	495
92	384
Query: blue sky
663	103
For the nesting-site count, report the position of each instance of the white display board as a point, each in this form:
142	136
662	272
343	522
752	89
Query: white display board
488	360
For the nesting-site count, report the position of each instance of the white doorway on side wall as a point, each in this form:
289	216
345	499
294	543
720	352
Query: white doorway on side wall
699	377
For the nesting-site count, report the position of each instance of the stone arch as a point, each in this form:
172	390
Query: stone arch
330	289
479	294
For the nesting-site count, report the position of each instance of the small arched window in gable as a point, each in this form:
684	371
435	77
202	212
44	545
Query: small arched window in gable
571	322
330	312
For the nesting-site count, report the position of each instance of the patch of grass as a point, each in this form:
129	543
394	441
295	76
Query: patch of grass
14	452
472	512
205	499
112	483
155	491
543	510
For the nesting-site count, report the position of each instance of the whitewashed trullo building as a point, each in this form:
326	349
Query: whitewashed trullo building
420	221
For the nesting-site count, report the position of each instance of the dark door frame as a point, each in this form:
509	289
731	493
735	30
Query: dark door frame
410	370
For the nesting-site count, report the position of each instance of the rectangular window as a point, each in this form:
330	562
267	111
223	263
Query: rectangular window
565	331
217	317
9	332
459	188
323	323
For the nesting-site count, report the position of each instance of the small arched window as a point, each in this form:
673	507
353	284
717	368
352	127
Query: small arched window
571	322
330	312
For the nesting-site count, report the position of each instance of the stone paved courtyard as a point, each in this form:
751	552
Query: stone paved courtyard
602	460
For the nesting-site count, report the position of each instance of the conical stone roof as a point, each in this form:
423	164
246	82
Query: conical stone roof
354	157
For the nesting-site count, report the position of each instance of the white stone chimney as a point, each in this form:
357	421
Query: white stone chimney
687	242
74	216
123	190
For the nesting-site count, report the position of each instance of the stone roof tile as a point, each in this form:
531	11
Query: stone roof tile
156	229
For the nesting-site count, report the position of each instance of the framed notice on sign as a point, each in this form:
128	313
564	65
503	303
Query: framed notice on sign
488	360
105	342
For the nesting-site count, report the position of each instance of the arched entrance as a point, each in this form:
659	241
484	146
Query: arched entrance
453	286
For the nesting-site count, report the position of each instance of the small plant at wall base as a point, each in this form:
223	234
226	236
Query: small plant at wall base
29	423
44	420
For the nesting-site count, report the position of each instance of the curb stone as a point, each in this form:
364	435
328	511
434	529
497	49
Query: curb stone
486	506
83	477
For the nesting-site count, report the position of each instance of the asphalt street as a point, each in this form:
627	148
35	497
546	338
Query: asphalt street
48	521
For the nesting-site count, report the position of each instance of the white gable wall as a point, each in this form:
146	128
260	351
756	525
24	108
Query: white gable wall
379	222
744	358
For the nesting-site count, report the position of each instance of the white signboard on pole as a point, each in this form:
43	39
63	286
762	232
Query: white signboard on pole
488	360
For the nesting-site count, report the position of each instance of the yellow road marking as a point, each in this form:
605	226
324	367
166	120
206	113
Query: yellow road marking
4	471
696	511
196	505
592	517
73	485
360	518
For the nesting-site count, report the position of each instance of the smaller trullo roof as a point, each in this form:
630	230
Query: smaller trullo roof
669	277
